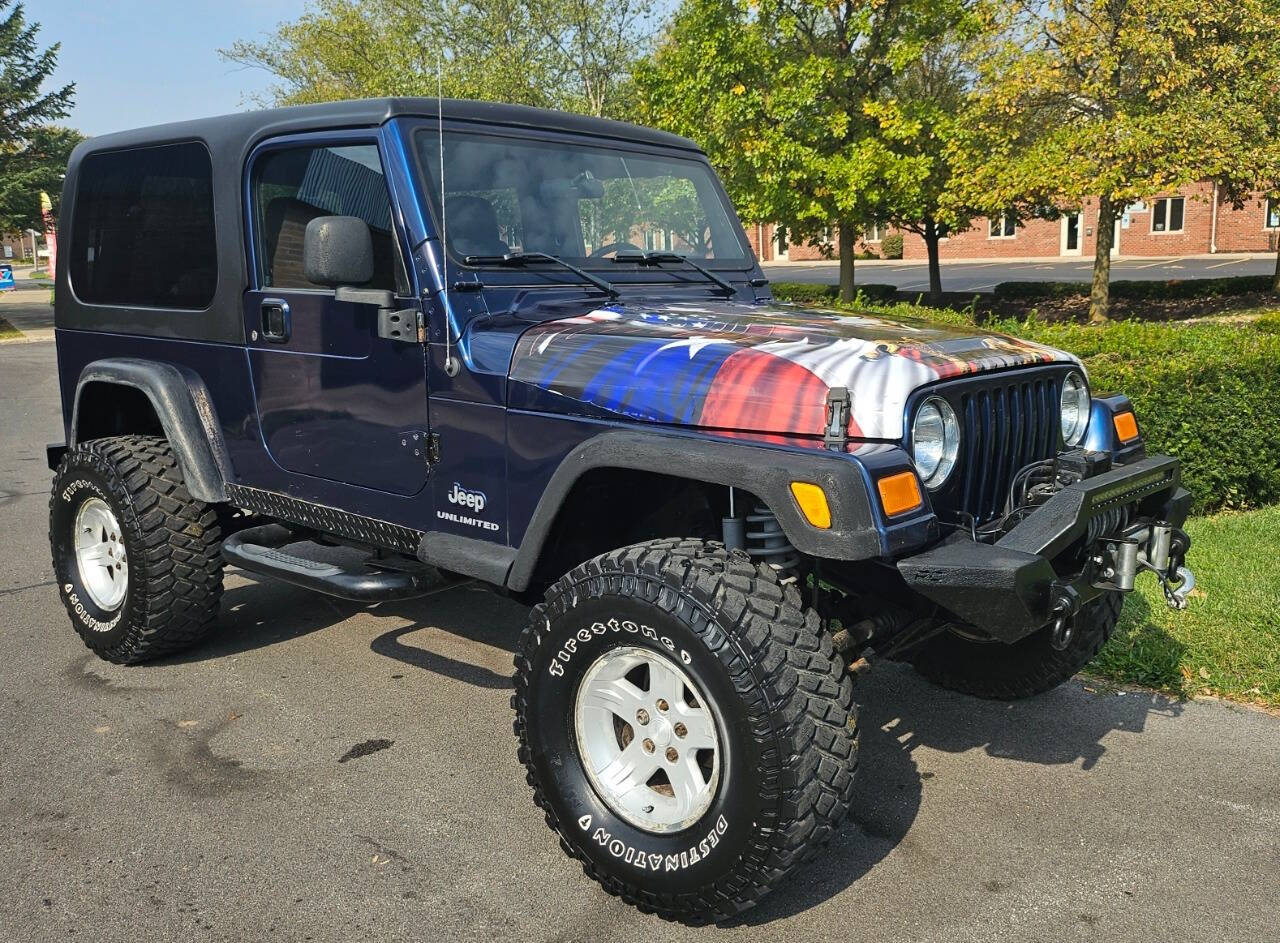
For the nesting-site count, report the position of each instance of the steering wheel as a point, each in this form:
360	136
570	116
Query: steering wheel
614	247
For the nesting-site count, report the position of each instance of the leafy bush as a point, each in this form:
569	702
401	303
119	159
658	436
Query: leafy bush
804	294
1174	288
891	246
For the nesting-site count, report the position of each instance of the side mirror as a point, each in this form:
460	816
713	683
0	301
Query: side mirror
337	250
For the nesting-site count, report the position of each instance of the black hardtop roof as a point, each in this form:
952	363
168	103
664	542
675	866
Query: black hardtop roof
235	132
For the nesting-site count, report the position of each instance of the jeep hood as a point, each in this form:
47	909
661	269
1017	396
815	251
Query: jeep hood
748	368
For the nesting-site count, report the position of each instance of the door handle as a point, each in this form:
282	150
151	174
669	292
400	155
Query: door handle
277	322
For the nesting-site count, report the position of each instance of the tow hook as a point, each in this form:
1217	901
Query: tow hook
1066	604
1176	593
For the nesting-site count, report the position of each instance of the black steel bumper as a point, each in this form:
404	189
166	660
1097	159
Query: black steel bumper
1011	587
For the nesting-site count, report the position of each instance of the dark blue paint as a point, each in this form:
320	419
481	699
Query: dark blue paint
321	417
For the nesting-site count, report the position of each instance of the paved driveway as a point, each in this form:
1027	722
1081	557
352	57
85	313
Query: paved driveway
206	797
984	276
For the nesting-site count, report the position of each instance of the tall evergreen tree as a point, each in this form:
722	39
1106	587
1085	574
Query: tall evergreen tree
32	155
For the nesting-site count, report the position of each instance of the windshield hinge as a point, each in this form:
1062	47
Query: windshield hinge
839	405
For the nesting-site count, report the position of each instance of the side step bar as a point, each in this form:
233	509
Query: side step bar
256	549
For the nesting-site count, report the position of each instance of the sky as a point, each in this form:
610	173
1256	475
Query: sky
141	62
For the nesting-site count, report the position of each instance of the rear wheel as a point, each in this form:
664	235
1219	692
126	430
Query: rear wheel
137	559
1029	666
685	725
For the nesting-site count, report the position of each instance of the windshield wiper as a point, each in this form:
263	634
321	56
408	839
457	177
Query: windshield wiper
523	258
656	258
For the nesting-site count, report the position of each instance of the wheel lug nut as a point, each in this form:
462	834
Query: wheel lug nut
642	716
662	705
672	755
648	745
681	730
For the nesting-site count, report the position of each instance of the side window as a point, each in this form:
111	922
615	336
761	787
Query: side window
292	186
142	233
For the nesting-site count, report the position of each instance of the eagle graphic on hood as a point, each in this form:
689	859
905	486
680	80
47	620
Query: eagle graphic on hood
753	368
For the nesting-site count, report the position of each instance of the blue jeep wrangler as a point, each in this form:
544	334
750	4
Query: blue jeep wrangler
534	349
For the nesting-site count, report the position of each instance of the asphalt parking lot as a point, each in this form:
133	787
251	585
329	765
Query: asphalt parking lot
984	275
318	771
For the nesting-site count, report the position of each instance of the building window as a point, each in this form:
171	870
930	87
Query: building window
875	233
1273	213
1166	214
142	229
1003	226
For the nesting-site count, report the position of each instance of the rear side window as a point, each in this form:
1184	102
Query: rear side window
295	185
142	231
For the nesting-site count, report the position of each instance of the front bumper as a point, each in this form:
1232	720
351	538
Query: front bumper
1012	587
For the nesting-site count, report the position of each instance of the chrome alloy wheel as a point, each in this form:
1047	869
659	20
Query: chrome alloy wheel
100	554
649	739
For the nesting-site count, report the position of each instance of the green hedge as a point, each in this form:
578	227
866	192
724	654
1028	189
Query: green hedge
891	246
1174	288
804	294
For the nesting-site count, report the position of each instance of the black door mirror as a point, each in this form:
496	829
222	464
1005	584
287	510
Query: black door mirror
337	250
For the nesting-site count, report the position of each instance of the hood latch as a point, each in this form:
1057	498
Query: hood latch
839	405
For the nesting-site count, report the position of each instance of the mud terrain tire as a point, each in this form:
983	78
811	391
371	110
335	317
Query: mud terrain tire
172	561
787	722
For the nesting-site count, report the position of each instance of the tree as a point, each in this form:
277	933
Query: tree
927	97
1114	99
570	54
789	99
32	155
38	166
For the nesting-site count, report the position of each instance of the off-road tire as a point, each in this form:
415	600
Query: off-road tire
1025	668
784	699
173	543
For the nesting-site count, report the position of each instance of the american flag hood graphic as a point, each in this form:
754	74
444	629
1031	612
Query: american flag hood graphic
753	368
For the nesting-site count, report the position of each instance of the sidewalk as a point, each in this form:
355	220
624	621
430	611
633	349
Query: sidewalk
27	309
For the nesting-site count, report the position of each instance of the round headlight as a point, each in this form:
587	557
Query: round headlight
935	441
1075	409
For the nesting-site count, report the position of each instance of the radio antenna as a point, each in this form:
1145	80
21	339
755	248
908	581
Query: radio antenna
450	364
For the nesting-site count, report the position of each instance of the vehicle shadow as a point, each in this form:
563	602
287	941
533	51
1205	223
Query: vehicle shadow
256	615
900	712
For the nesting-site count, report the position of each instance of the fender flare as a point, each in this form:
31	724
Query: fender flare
764	471
182	404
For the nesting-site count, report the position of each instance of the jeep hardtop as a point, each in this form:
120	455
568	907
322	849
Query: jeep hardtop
534	349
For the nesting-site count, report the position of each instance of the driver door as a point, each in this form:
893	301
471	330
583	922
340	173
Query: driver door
335	401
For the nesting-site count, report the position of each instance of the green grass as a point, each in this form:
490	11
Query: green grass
39	273
8	332
1227	642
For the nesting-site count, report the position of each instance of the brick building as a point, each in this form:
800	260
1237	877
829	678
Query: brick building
1195	220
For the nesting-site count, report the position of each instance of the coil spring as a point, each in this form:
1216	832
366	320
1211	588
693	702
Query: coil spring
767	543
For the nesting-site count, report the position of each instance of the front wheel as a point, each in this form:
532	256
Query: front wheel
685	725
1027	667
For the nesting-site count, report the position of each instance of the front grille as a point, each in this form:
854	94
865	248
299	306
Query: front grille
1006	423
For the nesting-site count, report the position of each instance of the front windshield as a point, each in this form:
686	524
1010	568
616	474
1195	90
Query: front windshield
580	201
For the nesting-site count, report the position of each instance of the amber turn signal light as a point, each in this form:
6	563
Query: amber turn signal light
899	493
813	503
1126	426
